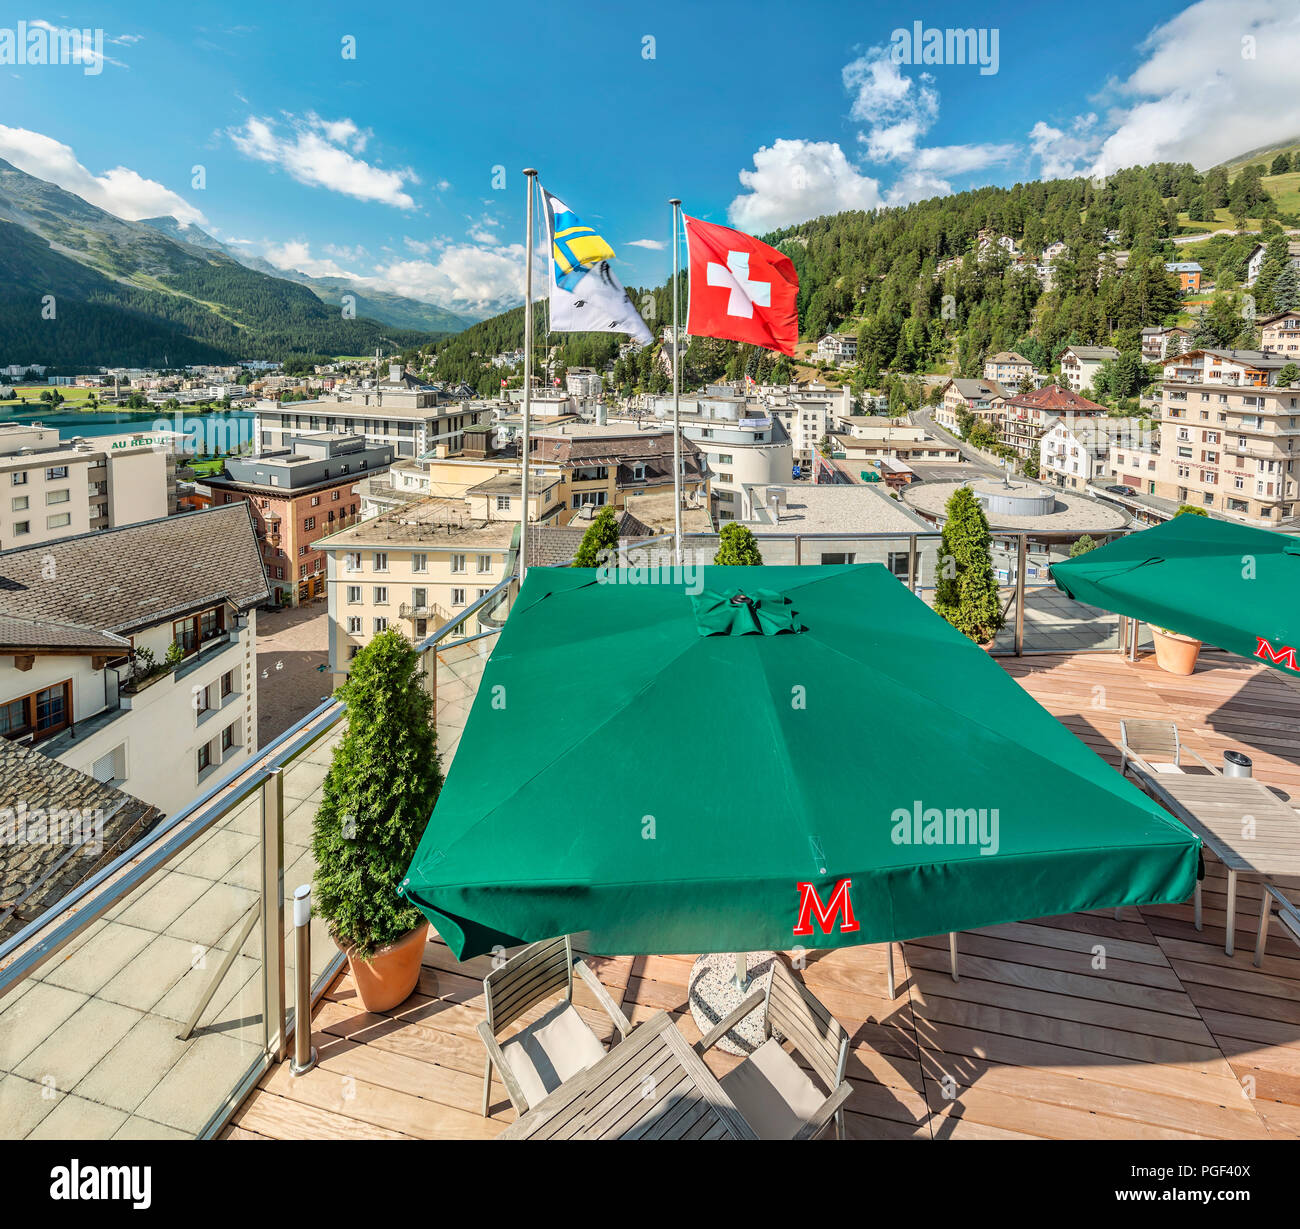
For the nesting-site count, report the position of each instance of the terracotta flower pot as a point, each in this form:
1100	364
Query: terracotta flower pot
390	975
1175	653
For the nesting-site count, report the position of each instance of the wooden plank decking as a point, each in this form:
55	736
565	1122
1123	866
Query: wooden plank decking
1081	1026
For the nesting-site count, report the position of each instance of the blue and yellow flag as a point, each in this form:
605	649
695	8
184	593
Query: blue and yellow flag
585	293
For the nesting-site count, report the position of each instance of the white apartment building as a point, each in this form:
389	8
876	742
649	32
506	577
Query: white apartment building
1075	451
1280	334
83	619
400	411
1229	435
740	443
1080	364
51	489
838	347
415	569
491	488
1008	368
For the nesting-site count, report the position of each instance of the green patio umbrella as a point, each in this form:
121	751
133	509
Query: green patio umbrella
791	756
1225	584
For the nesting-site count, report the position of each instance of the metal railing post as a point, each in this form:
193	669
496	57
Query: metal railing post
911	562
273	913
1020	594
304	1053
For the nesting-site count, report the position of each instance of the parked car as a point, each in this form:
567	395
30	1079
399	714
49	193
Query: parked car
1121	490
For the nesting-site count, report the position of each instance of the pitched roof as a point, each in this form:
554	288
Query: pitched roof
553	546
120	580
1008	356
974	389
36	873
1056	400
1093	353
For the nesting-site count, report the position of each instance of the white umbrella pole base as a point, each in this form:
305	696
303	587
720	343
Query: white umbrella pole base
715	992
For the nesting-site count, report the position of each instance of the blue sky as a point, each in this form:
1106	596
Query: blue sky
381	166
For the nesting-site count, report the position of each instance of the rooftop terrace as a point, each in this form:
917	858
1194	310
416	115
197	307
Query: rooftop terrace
1171	1039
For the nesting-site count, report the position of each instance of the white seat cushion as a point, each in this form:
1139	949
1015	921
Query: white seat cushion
1164	766
547	1053
772	1093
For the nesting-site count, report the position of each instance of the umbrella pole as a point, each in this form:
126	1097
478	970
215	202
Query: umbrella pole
742	971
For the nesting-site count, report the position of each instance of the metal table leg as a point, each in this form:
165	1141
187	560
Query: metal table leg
952	954
893	994
1232	911
1196	907
1265	911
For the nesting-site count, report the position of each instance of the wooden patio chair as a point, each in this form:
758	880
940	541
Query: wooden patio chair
1154	746
773	1092
535	1061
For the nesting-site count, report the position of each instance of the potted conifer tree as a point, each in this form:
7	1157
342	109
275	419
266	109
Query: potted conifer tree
737	547
381	786
966	593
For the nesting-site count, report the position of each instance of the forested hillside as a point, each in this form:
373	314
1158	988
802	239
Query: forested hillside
878	275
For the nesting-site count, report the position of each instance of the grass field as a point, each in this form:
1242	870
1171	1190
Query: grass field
73	398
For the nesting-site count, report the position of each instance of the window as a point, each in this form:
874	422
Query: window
227	684
279	573
334	498
458	597
19	477
484	563
843	558
381	625
352	561
898	563
419	563
354	594
458	563
484	592
228	736
59	520
503	503
302	550
205	757
309	523
22	527
202	700
381	561
354	625
18	503
725	477
315	501
419	598
55	472
724	458
380	595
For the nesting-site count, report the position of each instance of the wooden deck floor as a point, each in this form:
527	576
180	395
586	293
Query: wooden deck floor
1170	1039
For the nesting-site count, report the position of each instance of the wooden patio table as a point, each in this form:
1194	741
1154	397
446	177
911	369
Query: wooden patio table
652	1085
1244	823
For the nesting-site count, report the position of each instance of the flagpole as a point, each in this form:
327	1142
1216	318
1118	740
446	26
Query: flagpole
525	439
677	407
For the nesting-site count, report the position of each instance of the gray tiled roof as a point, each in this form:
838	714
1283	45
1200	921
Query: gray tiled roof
36	873
120	580
553	546
47	633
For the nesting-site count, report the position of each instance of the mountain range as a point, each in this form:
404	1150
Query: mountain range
80	286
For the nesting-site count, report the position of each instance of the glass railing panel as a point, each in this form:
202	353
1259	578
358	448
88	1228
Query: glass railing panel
1053	622
459	670
303	782
145	1021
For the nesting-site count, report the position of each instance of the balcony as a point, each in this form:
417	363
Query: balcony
1035	1041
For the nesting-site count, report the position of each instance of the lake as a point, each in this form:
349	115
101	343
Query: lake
212	430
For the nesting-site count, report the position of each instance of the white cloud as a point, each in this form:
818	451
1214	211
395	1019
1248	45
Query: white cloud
1061	154
654	245
898	110
83	52
315	153
120	191
296	254
795	180
1217	80
463	275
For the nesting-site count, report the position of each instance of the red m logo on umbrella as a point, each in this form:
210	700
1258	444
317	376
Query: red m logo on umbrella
1285	656
810	903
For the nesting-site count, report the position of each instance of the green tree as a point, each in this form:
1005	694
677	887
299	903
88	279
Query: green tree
1033	462
383	780
967	590
1082	545
1281	165
737	547
1190	510
600	542
1288	375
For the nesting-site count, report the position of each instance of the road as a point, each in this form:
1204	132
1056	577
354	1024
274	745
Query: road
925	418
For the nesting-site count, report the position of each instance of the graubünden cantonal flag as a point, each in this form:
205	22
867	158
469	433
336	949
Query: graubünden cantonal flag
741	289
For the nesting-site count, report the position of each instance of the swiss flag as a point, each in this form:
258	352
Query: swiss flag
741	289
